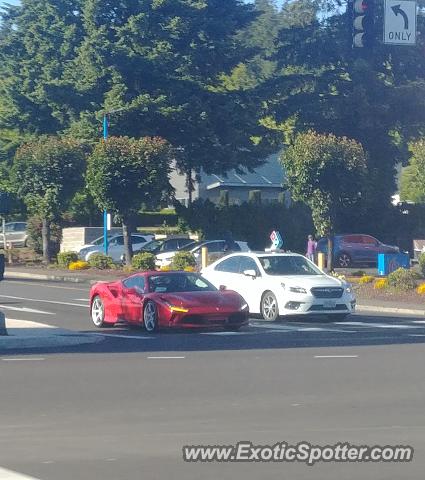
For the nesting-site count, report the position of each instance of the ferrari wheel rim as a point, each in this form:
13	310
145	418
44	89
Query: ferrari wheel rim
150	317
269	307
97	312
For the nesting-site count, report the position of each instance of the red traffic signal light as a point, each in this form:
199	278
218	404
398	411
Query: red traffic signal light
363	23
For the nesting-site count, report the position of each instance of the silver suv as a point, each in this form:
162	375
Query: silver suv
16	234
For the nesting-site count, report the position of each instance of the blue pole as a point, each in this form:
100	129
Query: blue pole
105	213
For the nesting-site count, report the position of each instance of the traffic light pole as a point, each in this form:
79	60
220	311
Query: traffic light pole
105	213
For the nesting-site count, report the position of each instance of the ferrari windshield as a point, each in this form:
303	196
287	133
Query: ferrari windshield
179	282
288	265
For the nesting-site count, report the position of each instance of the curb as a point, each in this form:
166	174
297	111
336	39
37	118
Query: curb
379	309
51	278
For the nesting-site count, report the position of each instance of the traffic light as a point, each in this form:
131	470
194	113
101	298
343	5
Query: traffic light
363	23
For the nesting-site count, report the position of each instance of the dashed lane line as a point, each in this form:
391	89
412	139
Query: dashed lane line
39	300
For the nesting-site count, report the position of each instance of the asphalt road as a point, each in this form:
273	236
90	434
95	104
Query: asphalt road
123	407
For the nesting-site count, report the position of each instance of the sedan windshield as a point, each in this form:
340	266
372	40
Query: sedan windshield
288	265
153	245
179	282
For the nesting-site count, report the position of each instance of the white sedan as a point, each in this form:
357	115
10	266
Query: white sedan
115	246
275	284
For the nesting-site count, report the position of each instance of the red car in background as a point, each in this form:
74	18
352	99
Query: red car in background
157	300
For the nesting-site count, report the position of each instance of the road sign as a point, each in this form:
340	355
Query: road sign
277	240
400	22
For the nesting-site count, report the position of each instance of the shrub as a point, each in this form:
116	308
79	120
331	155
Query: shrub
181	260
66	258
422	263
143	261
358	273
165	268
380	283
421	289
402	279
101	261
366	279
78	265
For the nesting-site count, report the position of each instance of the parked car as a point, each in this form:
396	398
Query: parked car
164	245
355	249
115	246
16	234
214	247
275	284
156	300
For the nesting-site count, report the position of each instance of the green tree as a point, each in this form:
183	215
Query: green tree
124	173
327	173
375	96
413	176
46	173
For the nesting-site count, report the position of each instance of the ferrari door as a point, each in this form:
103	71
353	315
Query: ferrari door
131	300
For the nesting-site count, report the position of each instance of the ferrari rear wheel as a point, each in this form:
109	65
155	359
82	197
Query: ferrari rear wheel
150	317
98	312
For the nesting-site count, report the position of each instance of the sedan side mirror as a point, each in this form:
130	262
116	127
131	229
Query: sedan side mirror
222	288
250	273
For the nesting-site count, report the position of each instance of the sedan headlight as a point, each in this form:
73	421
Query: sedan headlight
348	289
297	290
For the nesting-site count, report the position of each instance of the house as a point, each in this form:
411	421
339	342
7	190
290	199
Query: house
267	179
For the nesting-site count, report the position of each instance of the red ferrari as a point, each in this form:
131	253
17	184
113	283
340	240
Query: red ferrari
157	300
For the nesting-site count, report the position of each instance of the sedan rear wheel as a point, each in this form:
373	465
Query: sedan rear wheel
344	260
269	307
98	312
150	317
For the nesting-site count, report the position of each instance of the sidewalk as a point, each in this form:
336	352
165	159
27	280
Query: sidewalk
89	277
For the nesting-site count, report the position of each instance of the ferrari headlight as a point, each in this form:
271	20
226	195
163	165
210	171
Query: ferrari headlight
297	290
244	306
176	309
173	308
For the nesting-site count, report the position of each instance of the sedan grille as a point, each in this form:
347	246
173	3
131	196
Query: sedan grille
327	292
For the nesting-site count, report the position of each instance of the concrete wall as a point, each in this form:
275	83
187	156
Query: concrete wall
75	237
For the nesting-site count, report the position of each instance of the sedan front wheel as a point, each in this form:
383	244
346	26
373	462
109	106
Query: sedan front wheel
269	307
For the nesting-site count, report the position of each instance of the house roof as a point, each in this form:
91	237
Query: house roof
269	175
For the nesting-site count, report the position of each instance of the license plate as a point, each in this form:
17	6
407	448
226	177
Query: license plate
329	304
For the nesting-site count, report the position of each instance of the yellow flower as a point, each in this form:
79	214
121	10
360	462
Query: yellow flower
366	279
79	265
421	289
380	283
165	268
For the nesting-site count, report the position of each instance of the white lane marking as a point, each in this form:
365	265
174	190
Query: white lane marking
43	301
416	335
378	325
138	337
418	321
10	475
299	328
22	360
81	299
224	334
165	358
25	309
46	285
336	356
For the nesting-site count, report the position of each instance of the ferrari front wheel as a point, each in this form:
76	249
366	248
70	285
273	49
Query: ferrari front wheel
98	312
150	317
